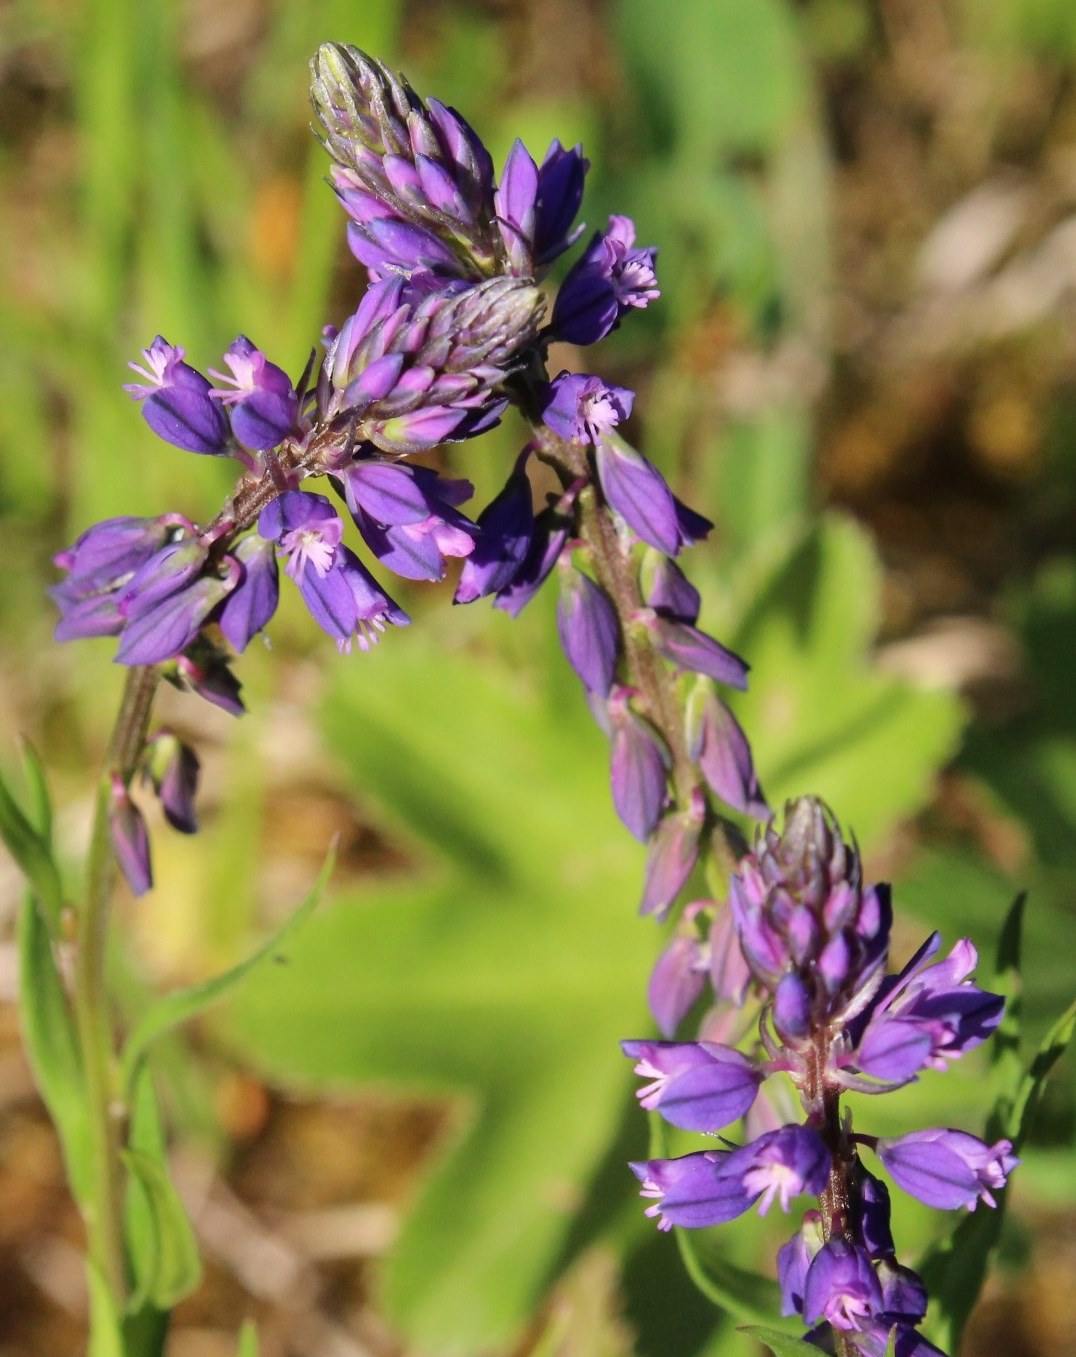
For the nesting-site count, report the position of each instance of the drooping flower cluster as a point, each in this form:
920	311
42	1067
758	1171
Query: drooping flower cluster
803	931
448	333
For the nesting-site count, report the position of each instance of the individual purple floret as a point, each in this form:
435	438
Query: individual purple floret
948	1169
588	629
505	527
578	406
342	596
548	539
536	206
841	1287
263	405
252	603
408	517
680	973
611	278
130	838
716	742
177	401
638	764
636	489
697	1086
172	767
674	850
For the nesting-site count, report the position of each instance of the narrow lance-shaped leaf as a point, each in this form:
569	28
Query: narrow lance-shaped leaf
183	1004
29	846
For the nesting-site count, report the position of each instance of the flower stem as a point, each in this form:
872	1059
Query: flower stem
103	1212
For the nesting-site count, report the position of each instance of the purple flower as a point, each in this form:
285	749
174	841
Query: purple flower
698	1086
639	763
252	603
716	742
585	408
548	538
948	1169
926	1016
841	1287
407	516
636	490
172	767
691	649
560	193
206	673
516	203
341	595
263	404
609	279
779	1165
672	857
689	1192
667	590
588	629
679	977
505	527
794	1260
177	401
730	975
130	838
167	601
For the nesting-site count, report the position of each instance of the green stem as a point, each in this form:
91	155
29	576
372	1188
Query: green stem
103	1213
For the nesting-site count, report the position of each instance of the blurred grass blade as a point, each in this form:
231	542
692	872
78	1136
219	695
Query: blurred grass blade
184	1004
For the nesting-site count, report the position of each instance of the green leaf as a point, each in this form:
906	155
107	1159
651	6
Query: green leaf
184	1004
503	974
821	718
30	847
51	1044
1051	1049
160	1242
780	1344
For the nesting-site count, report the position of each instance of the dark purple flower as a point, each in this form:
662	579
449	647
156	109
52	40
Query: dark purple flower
585	408
177	401
588	629
698	1086
130	838
672	857
716	742
609	279
927	1015
263	404
688	1191
505	527
636	490
172	767
548	539
871	1208
841	1287
691	649
407	516
342	596
948	1169
904	1297
252	603
639	763
206	673
779	1165
560	193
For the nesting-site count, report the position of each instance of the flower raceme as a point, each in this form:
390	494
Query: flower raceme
814	940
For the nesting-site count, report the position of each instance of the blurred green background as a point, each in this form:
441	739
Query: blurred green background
410	1139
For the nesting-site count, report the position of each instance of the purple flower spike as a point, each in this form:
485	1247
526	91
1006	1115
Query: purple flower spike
585	408
716	742
698	1086
672	858
251	605
263	404
130	838
948	1169
841	1287
588	629
636	490
177	401
611	278
505	526
688	1191
639	764
677	981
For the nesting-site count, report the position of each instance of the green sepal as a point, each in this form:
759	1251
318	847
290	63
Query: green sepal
181	1005
161	1247
51	1044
